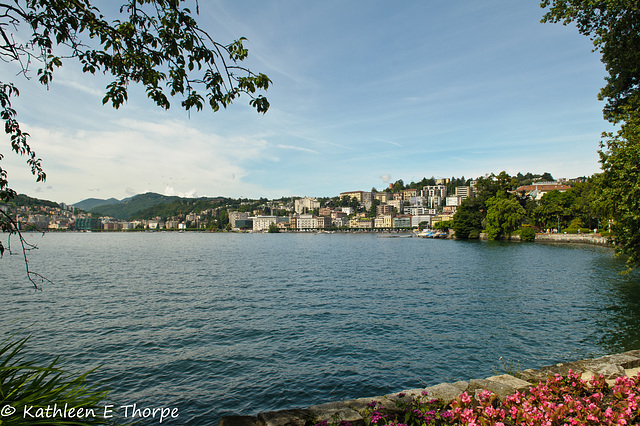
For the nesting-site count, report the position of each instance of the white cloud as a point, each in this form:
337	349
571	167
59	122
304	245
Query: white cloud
170	191
168	157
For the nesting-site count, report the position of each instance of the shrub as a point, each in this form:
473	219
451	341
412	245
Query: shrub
527	234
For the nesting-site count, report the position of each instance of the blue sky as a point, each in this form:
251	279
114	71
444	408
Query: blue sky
364	93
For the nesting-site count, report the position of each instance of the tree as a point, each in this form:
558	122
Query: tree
554	209
155	43
612	25
468	218
373	210
504	215
619	190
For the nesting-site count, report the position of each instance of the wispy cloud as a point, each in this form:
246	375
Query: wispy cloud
389	142
297	148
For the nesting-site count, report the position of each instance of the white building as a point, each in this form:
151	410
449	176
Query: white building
261	223
415	220
418	210
383	221
306	221
454	201
305	205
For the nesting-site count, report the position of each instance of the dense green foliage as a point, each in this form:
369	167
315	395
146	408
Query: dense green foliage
527	234
619	192
612	25
504	215
500	210
469	217
25	200
129	208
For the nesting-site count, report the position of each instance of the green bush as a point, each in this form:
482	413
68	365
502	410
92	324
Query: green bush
527	234
474	234
28	387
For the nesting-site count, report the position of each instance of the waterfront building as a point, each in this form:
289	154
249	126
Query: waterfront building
306	221
384	221
403	221
261	223
86	224
361	223
235	216
417	219
339	222
441	218
323	222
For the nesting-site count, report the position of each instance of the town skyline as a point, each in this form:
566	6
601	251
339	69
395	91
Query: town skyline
362	93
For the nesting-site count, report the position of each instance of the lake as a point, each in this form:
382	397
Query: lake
221	324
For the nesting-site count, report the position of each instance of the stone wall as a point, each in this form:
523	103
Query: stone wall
564	238
611	366
573	238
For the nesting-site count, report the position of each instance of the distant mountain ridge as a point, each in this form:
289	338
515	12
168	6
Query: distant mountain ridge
128	207
91	203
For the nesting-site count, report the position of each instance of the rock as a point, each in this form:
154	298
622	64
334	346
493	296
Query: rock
339	411
500	389
295	417
239	421
445	392
511	381
362	404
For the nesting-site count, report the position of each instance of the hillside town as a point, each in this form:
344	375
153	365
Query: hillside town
403	209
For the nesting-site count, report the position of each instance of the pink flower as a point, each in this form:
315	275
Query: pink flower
608	413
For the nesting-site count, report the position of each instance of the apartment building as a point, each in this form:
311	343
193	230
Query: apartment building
305	205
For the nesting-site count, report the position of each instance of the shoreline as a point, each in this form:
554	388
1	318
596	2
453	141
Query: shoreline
354	410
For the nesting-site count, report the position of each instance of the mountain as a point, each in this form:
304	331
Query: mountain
25	200
91	203
128	207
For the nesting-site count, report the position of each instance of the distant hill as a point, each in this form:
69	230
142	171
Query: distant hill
126	208
91	203
25	200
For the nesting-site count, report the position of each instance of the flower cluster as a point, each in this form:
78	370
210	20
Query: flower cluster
560	401
483	414
420	410
568	400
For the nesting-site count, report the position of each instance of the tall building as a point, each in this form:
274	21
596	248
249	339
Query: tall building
305	205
